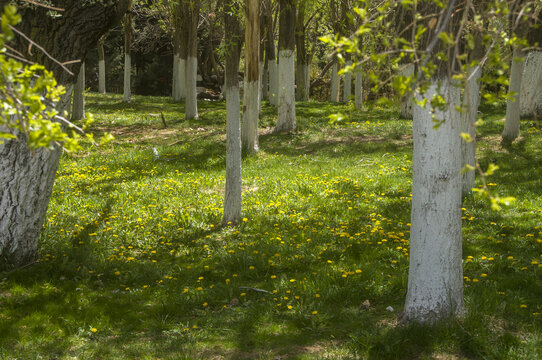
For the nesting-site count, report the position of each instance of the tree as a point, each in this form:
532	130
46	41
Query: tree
531	90
191	16
78	108
27	176
232	198
302	67
270	55
286	113
101	65
179	52
127	96
435	278
251	101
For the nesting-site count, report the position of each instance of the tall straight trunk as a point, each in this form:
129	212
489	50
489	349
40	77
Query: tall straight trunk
270	55
301	53
286	113
435	276
191	71
511	124
233	197
531	88
407	102
174	84
335	82
251	102
101	66
27	176
358	89
78	108
347	90
263	46
127	97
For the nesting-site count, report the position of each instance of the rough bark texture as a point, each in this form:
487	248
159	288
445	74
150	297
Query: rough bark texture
192	10
435	279
101	65
286	112
232	199
531	86
78	109
358	89
26	177
127	96
251	101
407	102
511	124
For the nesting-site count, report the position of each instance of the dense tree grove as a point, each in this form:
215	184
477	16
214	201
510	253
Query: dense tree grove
431	59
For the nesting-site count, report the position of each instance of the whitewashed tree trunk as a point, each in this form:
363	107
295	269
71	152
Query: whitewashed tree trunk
251	110
174	85
358	100
78	110
347	90
26	183
286	112
335	82
512	124
471	101
531	85
191	83
435	281
101	76
127	96
261	87
273	82
407	103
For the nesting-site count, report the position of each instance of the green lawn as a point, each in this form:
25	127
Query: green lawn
133	263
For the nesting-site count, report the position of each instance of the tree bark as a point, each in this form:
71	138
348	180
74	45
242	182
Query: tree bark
101	66
26	177
251	102
511	124
270	55
78	109
335	82
127	96
232	198
435	278
191	72
407	102
531	88
301	53
347	89
286	112
358	101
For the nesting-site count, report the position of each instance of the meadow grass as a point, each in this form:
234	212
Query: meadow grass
133	262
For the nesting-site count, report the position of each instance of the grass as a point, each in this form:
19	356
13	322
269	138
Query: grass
133	262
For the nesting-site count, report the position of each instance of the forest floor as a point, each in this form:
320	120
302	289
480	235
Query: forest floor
133	262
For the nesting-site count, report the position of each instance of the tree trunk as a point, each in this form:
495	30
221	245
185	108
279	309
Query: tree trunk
251	102
26	177
335	82
407	102
78	109
347	90
286	113
531	88
127	96
271	56
233	198
301	53
511	124
358	89
101	66
191	71
435	279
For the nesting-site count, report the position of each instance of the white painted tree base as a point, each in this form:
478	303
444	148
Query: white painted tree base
127	96
531	86
78	107
347	89
251	111
512	124
273	82
471	101
101	76
191	105
407	103
435	279
286	121
233	196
